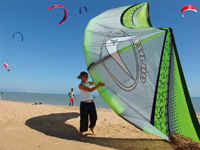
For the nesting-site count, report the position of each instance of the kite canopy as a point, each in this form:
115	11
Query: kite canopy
188	7
65	12
6	66
80	10
20	34
140	66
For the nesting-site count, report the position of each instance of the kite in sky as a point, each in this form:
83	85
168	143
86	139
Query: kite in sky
20	34
65	12
6	66
188	7
80	10
140	66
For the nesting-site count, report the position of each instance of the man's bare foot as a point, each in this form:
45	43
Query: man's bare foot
81	138
92	129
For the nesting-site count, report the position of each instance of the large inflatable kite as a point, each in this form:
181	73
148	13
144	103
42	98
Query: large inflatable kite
65	12
20	34
140	66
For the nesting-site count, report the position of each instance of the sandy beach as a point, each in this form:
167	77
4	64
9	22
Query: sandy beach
25	126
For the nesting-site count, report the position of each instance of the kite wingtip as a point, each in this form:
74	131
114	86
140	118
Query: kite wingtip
60	23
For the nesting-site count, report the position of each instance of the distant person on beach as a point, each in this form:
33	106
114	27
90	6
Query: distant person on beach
87	106
71	97
37	104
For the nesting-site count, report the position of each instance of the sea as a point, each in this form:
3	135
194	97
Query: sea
63	99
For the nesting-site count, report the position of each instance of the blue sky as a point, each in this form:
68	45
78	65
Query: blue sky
51	56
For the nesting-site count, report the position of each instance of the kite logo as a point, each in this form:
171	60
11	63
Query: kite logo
111	44
143	67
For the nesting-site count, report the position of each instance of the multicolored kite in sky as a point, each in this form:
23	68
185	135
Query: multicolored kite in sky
6	66
65	12
188	7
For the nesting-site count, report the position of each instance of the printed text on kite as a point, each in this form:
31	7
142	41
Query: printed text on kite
65	12
188	7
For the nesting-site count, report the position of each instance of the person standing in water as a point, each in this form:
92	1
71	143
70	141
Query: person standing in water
71	97
87	106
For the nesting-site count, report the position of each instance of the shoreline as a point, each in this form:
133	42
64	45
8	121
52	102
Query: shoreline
25	126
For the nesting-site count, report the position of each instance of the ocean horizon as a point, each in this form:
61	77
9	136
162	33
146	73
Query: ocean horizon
63	99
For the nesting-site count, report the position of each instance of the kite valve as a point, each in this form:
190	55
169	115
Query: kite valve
137	41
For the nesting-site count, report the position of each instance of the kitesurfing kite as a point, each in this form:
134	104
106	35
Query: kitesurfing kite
80	10
140	66
6	66
65	12
20	34
188	7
